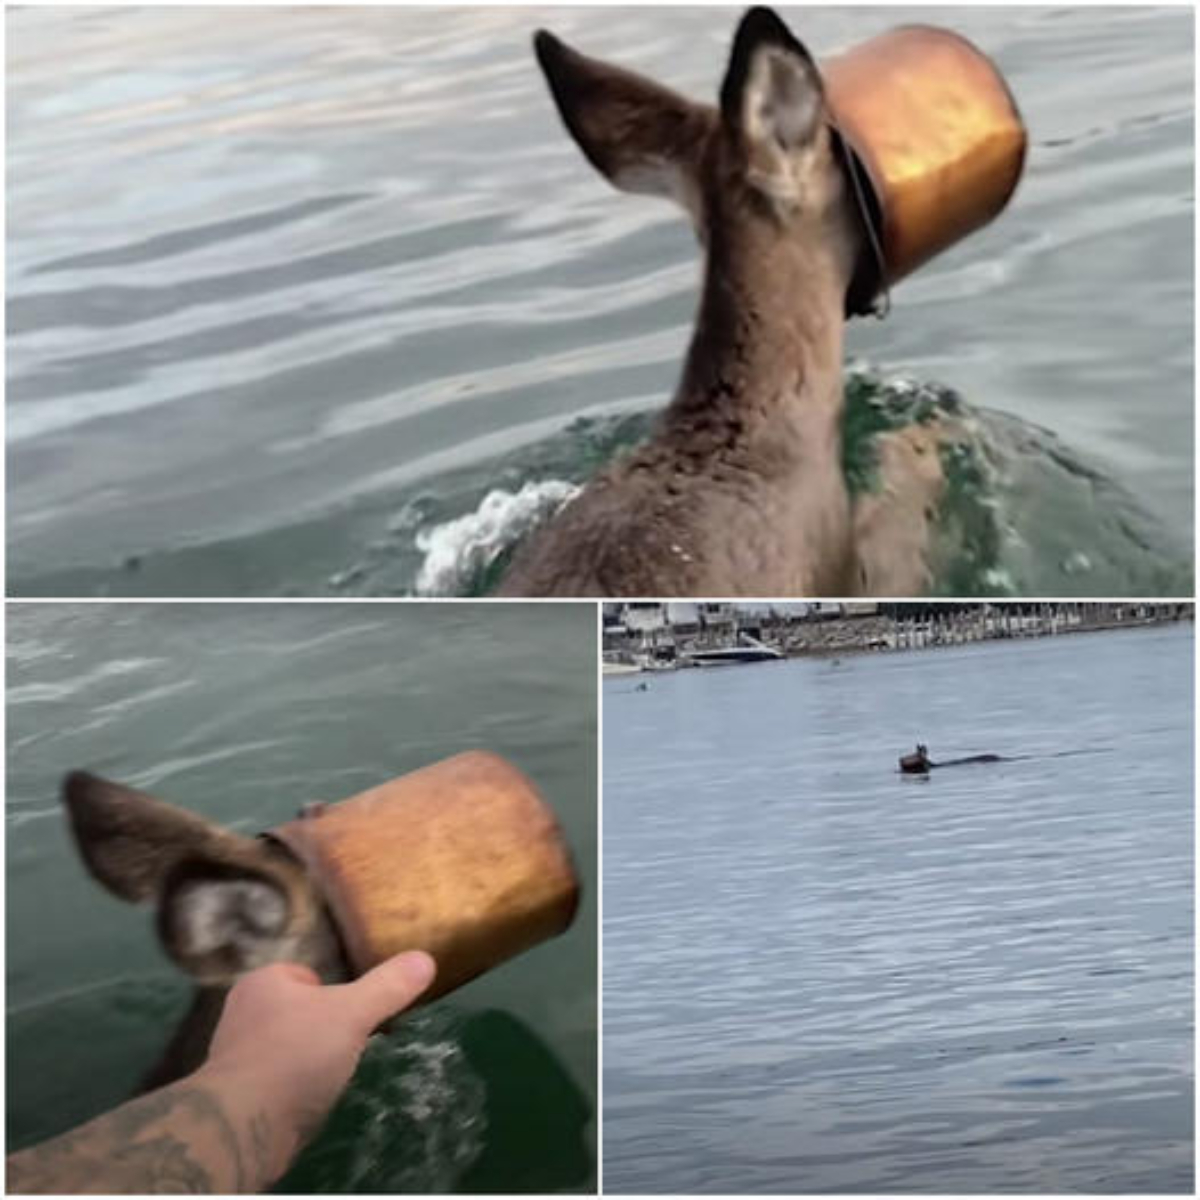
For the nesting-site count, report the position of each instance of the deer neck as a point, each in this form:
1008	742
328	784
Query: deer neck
188	1047
766	354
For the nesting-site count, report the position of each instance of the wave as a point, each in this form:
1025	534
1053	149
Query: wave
1020	514
468	551
413	1119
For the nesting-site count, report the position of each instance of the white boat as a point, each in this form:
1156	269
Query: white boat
748	650
619	668
649	662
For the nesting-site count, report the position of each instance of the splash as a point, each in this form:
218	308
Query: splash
413	1120
1021	513
461	553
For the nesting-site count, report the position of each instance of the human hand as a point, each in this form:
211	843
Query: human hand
294	1043
283	1051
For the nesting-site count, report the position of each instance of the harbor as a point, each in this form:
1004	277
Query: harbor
666	636
995	955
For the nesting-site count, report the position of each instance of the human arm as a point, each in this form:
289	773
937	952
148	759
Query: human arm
284	1050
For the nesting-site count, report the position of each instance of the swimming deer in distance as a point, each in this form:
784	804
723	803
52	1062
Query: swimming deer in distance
740	491
225	903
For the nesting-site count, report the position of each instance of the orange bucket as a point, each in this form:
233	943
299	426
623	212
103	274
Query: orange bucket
936	136
463	859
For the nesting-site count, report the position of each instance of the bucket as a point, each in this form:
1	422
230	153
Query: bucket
937	141
462	858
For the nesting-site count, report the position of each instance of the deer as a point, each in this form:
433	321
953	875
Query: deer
739	491
224	903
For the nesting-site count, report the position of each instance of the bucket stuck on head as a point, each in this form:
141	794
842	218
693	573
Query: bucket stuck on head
936	142
463	859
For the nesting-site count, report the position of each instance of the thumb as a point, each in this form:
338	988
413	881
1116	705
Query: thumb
390	987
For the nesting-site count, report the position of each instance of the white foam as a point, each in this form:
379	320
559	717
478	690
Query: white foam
416	1115
457	551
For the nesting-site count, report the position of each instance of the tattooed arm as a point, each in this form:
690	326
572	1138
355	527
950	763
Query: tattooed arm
179	1139
281	1055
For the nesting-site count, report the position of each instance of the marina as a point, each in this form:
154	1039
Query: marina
664	636
824	975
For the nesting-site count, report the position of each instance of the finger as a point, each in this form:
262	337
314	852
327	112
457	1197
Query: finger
297	972
264	977
390	987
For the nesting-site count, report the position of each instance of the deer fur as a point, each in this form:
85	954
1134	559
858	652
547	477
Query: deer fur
224	903
740	490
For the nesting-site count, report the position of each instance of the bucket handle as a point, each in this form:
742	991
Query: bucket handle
881	306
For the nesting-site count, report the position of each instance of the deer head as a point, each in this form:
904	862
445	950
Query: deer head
226	903
763	169
740	490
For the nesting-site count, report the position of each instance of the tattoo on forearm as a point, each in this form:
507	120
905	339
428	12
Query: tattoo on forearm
153	1145
166	1161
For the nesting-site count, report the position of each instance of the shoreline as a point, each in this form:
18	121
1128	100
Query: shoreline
838	635
842	638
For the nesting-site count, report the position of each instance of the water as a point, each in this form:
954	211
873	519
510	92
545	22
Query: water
293	292
821	976
243	713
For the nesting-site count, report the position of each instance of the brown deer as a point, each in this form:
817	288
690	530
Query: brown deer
740	491
225	903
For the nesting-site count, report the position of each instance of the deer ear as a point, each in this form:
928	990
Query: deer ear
218	920
226	903
772	94
130	840
642	137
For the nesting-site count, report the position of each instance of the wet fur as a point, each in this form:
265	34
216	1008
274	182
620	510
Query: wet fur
894	524
225	904
740	489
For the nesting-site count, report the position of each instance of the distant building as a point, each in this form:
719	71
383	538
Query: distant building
824	610
860	608
645	617
646	621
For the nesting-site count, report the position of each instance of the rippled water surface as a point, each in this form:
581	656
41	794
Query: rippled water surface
821	976
243	714
292	292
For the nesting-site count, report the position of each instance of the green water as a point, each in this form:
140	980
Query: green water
244	712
